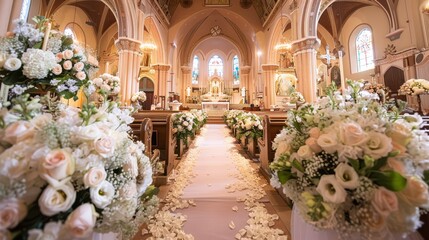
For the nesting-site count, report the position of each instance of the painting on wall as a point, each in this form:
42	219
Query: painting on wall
216	3
285	84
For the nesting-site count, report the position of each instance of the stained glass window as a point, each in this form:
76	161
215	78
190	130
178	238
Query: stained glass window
236	70
216	65
195	70
364	50
25	9
70	33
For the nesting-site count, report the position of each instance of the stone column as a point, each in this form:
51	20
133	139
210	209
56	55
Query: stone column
305	66
161	78
269	71
245	81
186	80
128	67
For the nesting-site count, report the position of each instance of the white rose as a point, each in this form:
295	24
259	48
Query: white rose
189	127
416	192
67	65
185	123
57	165
282	147
55	200
12	64
51	231
328	142
105	146
18	131
94	177
57	70
347	176
80	223
97	81
59	57
12	211
102	195
378	145
304	152
81	75
399	134
384	201
87	133
331	190
79	66
314	132
68	54
312	143
352	134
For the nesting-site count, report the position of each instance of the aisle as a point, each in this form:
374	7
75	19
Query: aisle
221	189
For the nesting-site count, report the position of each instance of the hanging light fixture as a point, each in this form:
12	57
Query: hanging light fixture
284	45
148	46
426	8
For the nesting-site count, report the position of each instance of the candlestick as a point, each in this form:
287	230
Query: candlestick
46	37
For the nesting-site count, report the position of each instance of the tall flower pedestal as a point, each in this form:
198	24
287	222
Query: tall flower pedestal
304	231
175	106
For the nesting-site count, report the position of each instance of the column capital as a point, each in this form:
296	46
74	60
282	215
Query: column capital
128	44
305	44
245	69
269	67
161	67
186	69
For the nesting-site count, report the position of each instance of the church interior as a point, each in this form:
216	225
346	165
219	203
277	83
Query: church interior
261	57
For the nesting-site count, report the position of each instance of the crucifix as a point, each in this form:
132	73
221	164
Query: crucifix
326	58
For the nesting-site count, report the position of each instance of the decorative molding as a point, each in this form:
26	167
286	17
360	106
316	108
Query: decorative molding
186	69
215	31
269	67
245	69
395	34
128	44
305	44
390	50
161	67
396	56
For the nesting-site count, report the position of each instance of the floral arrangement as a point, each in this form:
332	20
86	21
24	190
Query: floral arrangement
353	167
34	57
105	84
378	88
184	125
296	97
66	173
200	117
230	117
414	87
249	125
138	97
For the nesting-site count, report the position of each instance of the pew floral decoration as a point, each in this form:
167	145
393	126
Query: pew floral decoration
71	172
249	125
36	57
138	97
231	116
184	126
200	117
381	90
106	84
353	167
414	87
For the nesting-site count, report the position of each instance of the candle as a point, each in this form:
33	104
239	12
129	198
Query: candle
46	37
107	67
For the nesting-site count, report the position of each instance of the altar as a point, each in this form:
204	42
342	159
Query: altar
216	90
215	106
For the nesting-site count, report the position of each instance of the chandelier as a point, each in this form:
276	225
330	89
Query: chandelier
148	46
283	46
426	8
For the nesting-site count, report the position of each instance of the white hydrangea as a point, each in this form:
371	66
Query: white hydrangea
37	63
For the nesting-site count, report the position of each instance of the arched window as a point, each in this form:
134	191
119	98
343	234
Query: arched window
25	9
364	50
236	70
195	70
69	32
216	64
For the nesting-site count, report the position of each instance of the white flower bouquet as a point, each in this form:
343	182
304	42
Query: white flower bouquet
61	67
68	174
138	97
248	125
230	117
414	87
105	84
200	117
296	97
184	125
353	167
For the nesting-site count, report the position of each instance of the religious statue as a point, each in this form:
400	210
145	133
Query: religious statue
284	83
215	87
336	76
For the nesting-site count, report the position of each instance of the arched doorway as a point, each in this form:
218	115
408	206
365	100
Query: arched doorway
393	79
146	85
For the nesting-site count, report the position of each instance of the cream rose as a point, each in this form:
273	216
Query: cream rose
416	192
97	81
328	143
57	70
396	165
331	190
352	134
347	176
399	134
102	195
94	177
312	143
282	147
68	54
12	64
105	146
87	133
304	152
384	201
59	57
80	223
51	231
58	165
78	66
55	200
12	211
378	145
18	131
67	65
314	132
81	75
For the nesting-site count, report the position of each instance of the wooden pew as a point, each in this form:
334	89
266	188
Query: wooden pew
273	123
161	138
